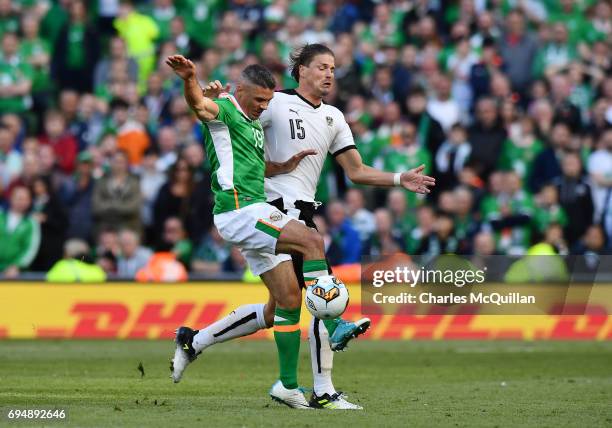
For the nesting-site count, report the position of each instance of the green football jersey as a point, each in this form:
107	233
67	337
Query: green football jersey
235	147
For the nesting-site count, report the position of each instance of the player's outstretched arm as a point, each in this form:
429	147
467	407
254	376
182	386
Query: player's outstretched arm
203	107
359	173
277	168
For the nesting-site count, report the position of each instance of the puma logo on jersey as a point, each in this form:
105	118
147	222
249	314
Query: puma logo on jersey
294	111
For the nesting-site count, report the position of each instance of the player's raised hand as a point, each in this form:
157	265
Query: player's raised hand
183	67
214	89
276	168
292	163
415	181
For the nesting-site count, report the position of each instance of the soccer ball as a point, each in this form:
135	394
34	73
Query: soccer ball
327	298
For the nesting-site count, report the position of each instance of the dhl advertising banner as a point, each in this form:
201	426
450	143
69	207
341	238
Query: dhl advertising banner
135	311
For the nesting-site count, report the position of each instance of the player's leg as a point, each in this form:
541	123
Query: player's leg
284	289
297	238
242	321
322	357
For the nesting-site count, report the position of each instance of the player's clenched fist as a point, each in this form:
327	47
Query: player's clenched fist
182	66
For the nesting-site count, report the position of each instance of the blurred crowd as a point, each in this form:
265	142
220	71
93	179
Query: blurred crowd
507	102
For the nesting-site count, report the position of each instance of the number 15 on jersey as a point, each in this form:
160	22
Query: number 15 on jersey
295	125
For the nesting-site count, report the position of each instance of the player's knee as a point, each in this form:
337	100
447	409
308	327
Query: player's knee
314	241
292	299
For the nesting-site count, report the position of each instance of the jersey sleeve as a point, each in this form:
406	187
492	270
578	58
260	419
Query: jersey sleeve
225	111
343	139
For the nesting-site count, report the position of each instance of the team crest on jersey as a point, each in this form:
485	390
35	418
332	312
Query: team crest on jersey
276	216
330	121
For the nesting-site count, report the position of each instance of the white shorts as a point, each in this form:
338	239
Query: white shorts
254	229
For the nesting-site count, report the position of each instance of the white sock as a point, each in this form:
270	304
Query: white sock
322	358
245	320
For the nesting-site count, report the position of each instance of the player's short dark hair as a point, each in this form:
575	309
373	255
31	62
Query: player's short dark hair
305	55
259	75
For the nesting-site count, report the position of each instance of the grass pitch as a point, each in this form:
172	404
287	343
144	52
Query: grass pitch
399	384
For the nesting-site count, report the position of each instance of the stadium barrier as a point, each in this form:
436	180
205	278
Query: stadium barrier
153	311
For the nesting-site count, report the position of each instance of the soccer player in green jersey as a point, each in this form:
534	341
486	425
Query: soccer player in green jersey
234	141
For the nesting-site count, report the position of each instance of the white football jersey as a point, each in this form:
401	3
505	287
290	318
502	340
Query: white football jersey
292	124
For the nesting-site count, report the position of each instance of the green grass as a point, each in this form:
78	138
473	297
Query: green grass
428	384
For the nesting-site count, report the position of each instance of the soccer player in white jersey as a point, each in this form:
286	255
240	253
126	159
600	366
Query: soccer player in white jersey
300	131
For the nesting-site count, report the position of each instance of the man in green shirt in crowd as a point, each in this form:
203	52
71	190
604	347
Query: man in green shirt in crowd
19	234
15	77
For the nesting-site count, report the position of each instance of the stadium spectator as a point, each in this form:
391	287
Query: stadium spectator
157	98
518	49
36	51
343	233
430	133
76	266
425	220
401	213
333	251
30	171
484	244
76	194
131	135
175	238
184	197
212	253
116	197
107	250
361	218
441	239
548	211
565	110
63	142
600	169
168	145
486	136
186	133
16	82
19	234
547	165
76	51
48	211
196	158
521	148
151	180
451	157
593	242
385	239
117	54
139	33
132	256
10	159
443	108
508	211
574	197
466	226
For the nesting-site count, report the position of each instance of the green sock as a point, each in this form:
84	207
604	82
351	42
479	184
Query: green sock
313	269
287	338
331	325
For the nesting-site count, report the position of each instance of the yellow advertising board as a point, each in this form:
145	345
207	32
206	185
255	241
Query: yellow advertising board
153	311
